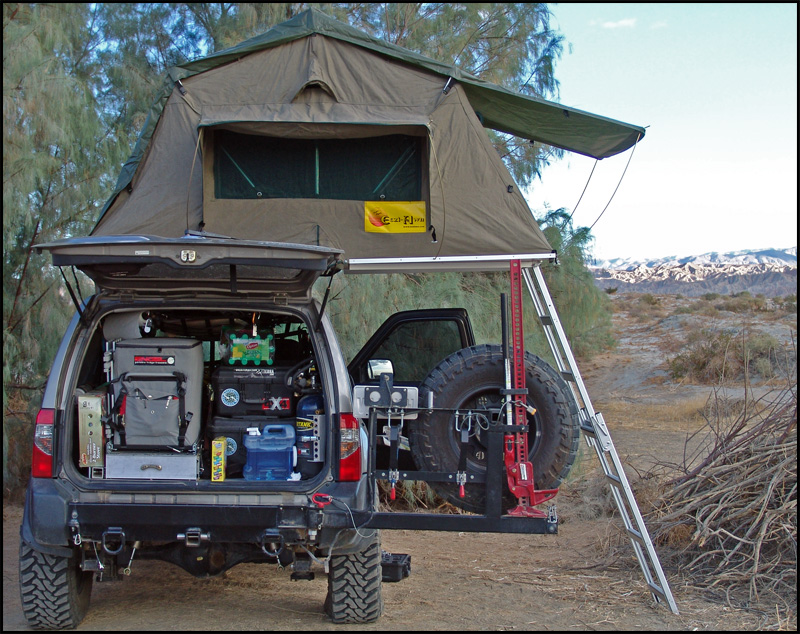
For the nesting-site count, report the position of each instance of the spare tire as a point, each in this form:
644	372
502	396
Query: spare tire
471	379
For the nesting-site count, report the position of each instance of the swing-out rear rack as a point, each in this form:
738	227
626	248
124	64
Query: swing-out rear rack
491	521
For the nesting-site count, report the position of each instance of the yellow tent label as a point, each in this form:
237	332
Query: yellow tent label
394	216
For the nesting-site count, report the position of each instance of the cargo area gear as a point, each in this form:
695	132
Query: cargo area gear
156	386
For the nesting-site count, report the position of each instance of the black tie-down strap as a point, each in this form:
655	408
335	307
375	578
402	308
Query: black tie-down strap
463	426
394	449
113	419
184	418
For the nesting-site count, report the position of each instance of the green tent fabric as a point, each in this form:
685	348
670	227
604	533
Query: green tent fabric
500	109
316	82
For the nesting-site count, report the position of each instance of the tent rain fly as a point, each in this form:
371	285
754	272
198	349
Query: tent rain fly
316	133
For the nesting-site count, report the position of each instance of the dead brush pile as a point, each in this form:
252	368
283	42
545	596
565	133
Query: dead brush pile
730	518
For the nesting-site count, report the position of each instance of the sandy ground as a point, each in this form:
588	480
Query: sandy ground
580	579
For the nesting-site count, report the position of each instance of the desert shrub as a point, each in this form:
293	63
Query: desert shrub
697	306
584	310
763	353
710	297
704	358
646	307
611	290
742	303
787	304
710	356
707	308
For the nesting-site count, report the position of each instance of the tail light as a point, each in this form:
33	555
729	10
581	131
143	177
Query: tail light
349	448
42	459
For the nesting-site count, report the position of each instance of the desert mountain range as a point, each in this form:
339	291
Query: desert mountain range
771	272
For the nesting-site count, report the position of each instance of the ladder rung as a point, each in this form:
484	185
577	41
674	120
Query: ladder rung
634	534
546	320
614	479
588	429
568	376
657	590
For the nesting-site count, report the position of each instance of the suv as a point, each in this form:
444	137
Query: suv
200	411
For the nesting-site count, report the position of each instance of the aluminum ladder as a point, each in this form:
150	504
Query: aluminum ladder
597	436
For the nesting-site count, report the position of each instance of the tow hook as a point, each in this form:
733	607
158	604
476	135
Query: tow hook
112	535
75	527
194	537
271	543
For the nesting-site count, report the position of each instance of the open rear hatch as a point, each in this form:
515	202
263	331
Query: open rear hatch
198	367
195	264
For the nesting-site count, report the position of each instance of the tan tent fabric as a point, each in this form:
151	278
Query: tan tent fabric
469	204
321	87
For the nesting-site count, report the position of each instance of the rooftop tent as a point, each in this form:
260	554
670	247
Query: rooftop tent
316	133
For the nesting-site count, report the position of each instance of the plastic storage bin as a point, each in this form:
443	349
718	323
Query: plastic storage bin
248	391
271	455
243	347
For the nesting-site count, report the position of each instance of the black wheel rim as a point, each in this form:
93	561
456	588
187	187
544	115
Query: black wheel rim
487	401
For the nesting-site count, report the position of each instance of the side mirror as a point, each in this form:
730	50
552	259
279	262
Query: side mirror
376	367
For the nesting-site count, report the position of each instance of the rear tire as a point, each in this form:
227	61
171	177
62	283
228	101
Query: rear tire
55	592
471	379
354	585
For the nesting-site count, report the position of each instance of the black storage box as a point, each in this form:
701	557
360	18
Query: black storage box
245	391
234	430
395	566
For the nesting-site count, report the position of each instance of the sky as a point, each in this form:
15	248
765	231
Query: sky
716	87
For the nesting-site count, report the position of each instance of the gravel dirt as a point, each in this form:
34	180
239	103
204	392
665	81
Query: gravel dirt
584	578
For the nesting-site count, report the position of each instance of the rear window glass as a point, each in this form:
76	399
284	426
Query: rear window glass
415	347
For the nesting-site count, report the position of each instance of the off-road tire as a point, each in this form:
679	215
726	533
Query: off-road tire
55	592
471	379
354	585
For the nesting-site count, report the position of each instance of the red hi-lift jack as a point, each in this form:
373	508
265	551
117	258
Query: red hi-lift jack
519	470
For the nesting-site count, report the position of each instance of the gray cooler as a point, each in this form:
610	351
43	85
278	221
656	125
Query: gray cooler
161	380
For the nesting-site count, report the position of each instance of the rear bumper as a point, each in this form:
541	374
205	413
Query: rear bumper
53	521
242	524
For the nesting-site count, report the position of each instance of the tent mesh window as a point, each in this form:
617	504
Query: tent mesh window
372	168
